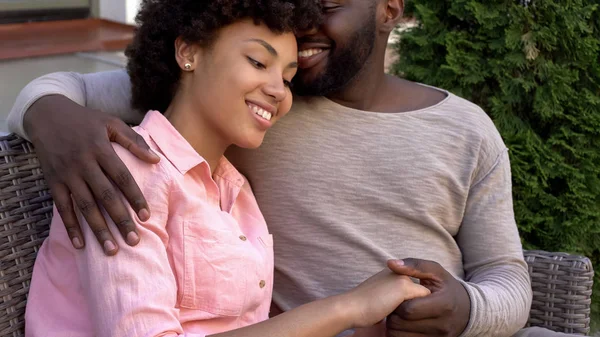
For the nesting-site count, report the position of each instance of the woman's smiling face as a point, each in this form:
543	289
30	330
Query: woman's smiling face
241	83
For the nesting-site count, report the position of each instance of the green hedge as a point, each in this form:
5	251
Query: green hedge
534	66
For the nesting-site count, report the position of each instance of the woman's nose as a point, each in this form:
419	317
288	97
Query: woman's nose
276	89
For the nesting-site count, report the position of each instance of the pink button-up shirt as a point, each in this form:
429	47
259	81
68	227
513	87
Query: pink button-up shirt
204	263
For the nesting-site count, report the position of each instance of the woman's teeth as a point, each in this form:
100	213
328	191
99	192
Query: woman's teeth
259	111
309	52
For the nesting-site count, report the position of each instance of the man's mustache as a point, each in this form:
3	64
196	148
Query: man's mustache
322	40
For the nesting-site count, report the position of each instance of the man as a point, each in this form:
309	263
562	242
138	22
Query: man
377	168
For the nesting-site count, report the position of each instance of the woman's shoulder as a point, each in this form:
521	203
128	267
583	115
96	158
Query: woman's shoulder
154	180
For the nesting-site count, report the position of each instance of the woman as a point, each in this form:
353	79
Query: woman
220	72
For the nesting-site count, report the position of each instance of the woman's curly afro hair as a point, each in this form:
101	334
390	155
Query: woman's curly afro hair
152	67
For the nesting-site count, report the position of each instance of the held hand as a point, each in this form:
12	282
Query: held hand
377	330
73	145
445	312
378	296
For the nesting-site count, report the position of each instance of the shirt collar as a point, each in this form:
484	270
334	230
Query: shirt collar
179	151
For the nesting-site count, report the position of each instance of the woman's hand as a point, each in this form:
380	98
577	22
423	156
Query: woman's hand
374	299
73	144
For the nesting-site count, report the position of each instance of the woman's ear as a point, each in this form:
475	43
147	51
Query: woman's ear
394	10
186	54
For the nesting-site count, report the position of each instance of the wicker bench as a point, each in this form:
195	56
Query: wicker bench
562	283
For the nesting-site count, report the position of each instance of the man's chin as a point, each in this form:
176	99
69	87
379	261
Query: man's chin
300	90
318	87
322	79
310	85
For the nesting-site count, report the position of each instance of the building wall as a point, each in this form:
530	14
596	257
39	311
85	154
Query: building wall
122	11
95	8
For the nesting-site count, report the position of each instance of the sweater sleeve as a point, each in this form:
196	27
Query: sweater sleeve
108	91
496	276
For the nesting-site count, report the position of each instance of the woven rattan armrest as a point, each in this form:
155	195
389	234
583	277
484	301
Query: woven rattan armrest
562	291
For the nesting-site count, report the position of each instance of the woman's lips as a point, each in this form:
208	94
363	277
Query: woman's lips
263	123
309	57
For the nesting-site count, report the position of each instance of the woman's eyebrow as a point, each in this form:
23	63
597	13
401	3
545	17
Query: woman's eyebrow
265	44
271	50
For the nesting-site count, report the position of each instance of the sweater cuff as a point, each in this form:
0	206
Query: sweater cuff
65	84
471	330
16	117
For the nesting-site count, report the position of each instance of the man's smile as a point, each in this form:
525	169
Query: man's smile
311	53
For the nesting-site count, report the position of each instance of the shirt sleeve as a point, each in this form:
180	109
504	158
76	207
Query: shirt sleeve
496	276
108	91
134	293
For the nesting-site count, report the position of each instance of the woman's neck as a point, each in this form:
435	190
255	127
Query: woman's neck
194	128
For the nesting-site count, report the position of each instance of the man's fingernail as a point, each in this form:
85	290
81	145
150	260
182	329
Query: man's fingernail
400	262
109	247
77	243
133	238
153	154
144	214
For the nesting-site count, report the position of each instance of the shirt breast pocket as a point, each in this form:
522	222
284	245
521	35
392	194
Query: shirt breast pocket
214	275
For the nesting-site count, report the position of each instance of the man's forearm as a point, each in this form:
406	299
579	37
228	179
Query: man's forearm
106	91
65	84
500	302
35	111
495	271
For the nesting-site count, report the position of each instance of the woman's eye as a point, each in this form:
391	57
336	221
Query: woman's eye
287	83
256	64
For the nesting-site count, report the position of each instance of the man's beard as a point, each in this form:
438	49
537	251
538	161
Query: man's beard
343	65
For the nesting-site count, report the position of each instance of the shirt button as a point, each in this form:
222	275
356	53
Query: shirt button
243	238
262	284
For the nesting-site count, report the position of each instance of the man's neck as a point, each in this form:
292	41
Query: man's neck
374	90
387	93
362	92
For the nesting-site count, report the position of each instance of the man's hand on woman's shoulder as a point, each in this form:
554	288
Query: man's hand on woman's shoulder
73	144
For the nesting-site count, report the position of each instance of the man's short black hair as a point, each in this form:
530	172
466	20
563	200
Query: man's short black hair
152	66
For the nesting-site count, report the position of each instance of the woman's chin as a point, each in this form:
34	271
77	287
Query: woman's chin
251	142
